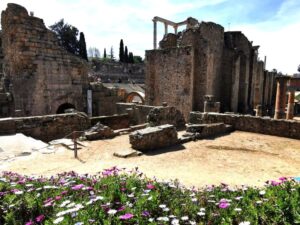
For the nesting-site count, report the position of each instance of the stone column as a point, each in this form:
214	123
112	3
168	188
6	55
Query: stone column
154	33
290	108
166	28
175	29
280	97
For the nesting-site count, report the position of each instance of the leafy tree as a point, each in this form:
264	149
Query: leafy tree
137	59
121	51
67	35
68	38
299	68
94	52
130	58
104	54
82	47
126	55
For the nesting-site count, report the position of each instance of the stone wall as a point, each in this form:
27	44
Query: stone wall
168	82
203	60
45	128
115	122
41	73
264	125
116	72
104	99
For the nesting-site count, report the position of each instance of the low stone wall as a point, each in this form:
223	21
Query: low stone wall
208	130
153	137
263	125
154	115
137	113
115	122
45	128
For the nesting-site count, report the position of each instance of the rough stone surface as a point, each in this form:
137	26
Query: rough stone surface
165	115
153	137
115	122
99	131
208	130
42	75
264	125
119	72
45	128
205	60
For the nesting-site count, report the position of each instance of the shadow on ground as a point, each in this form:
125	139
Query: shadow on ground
173	148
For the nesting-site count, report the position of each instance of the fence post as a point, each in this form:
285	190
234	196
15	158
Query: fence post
75	144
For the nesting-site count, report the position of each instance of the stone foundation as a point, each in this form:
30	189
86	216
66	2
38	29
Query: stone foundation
45	128
263	125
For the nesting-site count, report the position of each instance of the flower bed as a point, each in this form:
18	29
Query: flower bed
118	197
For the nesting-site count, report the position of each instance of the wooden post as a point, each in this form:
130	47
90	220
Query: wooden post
75	144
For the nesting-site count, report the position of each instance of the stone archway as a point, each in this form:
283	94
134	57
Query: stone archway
135	96
63	107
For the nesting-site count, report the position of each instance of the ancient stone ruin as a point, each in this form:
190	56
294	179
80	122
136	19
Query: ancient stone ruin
204	60
42	77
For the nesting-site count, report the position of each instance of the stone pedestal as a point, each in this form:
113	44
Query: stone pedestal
280	97
258	111
290	108
210	105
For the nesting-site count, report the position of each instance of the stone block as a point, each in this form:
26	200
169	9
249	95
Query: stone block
153	137
99	131
165	115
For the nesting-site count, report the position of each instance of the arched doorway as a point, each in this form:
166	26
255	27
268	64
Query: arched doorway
135	96
64	107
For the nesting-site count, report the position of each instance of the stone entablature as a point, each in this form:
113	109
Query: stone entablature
41	73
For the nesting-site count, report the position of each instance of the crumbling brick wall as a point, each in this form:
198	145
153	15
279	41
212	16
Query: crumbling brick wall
42	74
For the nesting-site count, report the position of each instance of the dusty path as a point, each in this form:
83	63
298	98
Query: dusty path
236	159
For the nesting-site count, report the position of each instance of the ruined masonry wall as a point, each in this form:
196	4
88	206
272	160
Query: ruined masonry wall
263	125
45	128
43	75
170	78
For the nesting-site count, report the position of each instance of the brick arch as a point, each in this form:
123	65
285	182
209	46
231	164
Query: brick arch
61	109
130	96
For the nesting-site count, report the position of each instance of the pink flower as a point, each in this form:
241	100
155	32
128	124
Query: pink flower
150	186
223	204
40	218
77	187
57	198
29	223
121	208
283	179
126	216
274	183
64	192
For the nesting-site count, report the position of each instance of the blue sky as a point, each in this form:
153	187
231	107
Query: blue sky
272	24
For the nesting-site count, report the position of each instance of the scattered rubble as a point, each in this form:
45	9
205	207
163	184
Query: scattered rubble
99	131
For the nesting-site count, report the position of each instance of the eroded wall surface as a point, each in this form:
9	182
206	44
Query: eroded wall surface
41	73
224	65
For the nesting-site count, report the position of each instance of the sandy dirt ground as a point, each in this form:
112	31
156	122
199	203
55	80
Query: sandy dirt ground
238	158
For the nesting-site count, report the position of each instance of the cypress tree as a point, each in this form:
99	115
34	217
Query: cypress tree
121	51
112	57
130	58
82	47
104	54
126	55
